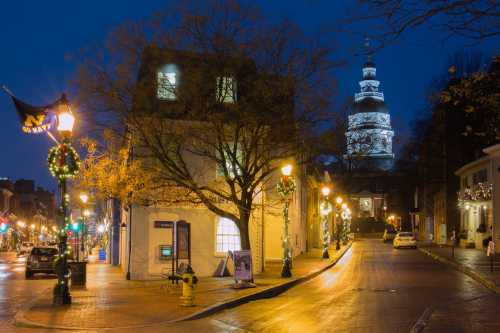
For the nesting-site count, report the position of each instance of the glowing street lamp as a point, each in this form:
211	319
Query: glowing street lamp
286	187
65	118
101	228
286	170
324	211
325	191
84	197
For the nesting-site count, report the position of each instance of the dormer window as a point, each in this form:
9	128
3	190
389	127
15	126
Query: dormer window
226	89
167	81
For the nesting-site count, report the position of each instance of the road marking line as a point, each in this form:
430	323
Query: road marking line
422	321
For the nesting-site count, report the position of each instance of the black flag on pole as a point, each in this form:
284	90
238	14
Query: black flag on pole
35	119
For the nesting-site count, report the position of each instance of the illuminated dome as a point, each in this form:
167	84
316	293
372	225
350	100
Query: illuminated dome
369	133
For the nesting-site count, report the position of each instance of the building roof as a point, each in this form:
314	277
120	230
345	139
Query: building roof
464	169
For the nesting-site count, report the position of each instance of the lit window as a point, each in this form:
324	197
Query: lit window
228	236
226	89
233	167
167	82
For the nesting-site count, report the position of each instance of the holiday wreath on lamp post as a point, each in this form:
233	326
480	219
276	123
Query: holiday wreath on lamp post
64	161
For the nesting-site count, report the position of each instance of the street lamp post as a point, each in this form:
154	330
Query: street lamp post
286	187
83	198
324	211
64	163
338	201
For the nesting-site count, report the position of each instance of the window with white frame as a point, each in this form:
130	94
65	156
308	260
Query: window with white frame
226	89
167	84
227	236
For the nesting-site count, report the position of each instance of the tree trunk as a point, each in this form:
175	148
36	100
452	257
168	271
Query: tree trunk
244	230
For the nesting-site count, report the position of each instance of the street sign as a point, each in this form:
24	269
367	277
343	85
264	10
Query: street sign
242	265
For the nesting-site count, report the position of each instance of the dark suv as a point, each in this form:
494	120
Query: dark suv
41	260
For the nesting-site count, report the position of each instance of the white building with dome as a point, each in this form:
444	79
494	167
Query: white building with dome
369	133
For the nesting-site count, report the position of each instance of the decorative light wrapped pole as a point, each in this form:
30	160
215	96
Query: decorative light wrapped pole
346	227
64	163
286	187
325	209
338	221
84	198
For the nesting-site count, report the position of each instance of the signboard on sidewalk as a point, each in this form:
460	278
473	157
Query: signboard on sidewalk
243	265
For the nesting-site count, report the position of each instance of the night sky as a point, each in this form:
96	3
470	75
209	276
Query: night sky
38	37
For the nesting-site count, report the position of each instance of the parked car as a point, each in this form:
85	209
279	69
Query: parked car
25	248
389	235
41	260
405	239
53	244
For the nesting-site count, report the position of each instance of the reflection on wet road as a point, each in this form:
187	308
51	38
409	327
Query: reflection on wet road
374	288
15	290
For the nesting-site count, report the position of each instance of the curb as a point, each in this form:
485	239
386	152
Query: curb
264	293
464	269
270	292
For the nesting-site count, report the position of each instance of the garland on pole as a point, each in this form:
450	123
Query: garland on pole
63	161
285	186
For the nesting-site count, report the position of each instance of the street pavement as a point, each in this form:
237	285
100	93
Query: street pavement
373	288
474	259
15	290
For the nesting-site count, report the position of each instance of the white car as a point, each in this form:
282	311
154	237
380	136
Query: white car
25	248
405	239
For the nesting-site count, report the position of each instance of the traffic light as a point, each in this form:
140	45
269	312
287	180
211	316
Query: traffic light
4	227
75	226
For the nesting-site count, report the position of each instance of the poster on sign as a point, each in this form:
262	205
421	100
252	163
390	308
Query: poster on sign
242	265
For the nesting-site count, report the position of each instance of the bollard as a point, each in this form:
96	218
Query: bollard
188	282
491	253
453	237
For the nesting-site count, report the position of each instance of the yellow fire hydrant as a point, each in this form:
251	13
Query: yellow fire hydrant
188	282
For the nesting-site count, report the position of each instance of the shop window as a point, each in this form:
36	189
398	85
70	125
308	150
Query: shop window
227	236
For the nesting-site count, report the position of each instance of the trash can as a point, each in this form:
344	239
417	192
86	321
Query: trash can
102	254
78	273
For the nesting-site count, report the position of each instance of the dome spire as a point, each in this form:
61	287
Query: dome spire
369	84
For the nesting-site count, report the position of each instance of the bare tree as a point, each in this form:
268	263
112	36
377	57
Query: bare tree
282	84
473	19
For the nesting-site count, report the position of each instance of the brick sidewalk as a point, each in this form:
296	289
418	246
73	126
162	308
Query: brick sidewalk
110	301
473	259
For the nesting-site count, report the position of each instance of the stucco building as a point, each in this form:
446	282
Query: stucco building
146	230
